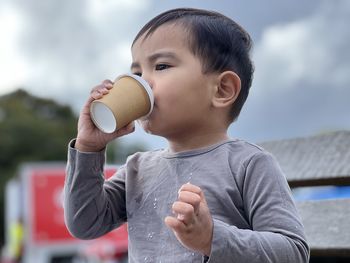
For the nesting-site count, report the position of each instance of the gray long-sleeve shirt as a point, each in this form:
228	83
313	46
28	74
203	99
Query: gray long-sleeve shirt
254	216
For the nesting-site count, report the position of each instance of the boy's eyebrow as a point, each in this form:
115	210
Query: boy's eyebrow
135	65
155	56
162	54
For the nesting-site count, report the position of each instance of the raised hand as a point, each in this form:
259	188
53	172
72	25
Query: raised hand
90	138
192	224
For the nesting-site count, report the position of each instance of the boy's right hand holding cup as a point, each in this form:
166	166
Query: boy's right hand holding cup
111	110
90	138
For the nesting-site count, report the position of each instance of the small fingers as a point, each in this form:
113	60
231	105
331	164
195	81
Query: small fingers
191	188
102	89
184	211
191	198
107	83
175	224
126	130
186	208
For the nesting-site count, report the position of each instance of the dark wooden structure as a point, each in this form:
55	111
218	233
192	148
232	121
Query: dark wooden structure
315	161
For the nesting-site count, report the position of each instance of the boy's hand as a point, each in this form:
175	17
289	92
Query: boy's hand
90	138
193	226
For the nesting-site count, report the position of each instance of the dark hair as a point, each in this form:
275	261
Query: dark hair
219	42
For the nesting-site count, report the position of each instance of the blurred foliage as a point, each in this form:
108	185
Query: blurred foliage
35	129
31	129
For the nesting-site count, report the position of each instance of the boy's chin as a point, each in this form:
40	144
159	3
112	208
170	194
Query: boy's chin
149	128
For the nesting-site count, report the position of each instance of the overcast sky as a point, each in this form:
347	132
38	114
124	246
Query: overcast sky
61	49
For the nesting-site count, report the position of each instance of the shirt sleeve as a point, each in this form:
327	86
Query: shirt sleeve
276	233
88	198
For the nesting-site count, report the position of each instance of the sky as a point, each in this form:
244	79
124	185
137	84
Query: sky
301	87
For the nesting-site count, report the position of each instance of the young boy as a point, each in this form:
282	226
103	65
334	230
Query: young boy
207	198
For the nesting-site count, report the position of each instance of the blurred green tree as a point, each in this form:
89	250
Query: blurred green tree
31	129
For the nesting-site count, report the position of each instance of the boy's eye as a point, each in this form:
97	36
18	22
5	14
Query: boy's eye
137	73
162	66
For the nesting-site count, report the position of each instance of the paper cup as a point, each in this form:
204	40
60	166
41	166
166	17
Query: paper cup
130	98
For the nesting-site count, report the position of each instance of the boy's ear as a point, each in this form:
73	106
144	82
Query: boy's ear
227	89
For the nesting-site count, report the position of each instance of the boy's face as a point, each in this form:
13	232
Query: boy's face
182	92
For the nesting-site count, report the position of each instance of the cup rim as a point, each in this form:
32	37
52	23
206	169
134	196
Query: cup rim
145	85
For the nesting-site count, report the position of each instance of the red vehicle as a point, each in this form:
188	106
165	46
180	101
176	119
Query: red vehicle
35	228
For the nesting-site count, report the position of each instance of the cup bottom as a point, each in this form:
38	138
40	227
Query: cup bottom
103	117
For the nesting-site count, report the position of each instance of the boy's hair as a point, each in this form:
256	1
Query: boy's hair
219	42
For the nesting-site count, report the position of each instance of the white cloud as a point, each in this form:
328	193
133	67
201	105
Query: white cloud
314	50
117	59
302	80
14	69
66	48
98	10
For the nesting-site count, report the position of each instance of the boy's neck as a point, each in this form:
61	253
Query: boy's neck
192	142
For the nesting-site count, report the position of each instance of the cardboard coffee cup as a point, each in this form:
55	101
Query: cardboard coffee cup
131	98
